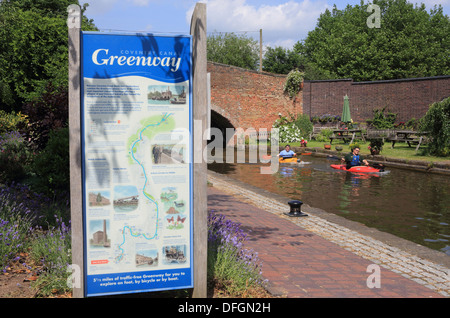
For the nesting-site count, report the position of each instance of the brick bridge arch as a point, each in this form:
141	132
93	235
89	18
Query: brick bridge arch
245	99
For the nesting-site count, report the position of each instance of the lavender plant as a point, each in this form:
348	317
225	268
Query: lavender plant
16	221
52	250
229	262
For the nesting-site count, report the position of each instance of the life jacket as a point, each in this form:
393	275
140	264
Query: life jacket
355	160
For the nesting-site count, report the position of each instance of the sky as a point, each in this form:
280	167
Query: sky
283	22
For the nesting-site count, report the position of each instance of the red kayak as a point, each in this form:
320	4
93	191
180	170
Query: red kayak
359	169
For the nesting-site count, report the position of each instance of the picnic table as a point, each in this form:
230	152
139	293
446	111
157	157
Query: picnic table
408	136
346	134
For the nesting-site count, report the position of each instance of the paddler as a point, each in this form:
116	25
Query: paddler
354	159
287	152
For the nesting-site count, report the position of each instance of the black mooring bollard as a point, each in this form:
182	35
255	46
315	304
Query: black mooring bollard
296	210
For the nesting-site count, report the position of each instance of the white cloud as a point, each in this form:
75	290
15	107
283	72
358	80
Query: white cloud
283	24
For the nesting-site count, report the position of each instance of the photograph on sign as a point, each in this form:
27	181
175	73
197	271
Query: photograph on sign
137	162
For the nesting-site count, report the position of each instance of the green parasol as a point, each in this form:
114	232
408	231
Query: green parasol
346	117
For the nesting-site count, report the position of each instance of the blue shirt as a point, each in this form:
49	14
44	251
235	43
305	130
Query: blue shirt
287	154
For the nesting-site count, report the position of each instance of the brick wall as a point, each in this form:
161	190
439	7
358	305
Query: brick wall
409	98
249	98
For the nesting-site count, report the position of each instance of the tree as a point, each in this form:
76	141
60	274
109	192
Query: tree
280	60
33	49
409	43
233	49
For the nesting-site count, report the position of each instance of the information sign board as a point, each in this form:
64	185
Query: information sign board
136	162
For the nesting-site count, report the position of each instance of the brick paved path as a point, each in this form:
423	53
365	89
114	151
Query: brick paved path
299	263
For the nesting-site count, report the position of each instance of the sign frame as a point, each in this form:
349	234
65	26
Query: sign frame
132	278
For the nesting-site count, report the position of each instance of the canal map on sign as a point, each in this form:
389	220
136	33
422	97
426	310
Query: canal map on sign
138	145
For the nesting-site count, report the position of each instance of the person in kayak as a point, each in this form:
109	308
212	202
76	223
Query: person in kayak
354	159
287	153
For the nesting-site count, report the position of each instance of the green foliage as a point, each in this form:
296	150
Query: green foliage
410	42
15	156
51	166
437	122
294	79
280	60
376	144
383	119
12	121
15	223
304	124
233	49
44	7
324	135
292	130
47	113
230	264
354	145
33	49
52	250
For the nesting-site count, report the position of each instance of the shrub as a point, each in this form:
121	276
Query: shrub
12	122
294	129
324	135
15	156
304	124
293	82
437	122
52	250
288	131
51	166
354	145
376	145
383	119
50	112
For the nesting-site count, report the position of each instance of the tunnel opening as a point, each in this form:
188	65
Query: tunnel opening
222	123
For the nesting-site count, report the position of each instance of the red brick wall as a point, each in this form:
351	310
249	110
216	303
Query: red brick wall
409	98
249	98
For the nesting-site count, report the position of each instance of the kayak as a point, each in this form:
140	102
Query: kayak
359	169
287	160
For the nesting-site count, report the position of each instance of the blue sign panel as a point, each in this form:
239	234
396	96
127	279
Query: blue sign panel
137	162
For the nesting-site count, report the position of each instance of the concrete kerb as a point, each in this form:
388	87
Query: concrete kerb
421	264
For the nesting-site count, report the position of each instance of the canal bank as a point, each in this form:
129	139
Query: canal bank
324	255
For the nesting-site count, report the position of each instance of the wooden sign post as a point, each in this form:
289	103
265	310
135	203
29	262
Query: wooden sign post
200	105
76	204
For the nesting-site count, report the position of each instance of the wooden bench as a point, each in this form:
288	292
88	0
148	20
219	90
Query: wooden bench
379	133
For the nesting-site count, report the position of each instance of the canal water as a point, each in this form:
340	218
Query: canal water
409	204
